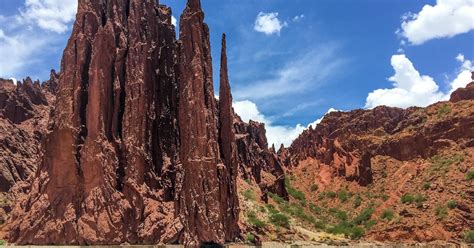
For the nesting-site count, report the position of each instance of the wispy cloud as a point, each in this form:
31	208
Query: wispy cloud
310	70
28	36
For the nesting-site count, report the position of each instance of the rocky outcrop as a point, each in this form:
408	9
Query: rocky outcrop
466	93
257	162
346	141
123	163
107	174
24	115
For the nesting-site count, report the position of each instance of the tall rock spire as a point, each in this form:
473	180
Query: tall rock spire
200	199
229	151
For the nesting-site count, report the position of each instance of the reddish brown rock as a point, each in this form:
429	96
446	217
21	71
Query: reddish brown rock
466	93
106	174
256	161
24	115
227	141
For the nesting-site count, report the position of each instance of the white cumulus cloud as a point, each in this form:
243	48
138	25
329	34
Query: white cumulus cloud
446	19
268	23
276	134
410	88
51	15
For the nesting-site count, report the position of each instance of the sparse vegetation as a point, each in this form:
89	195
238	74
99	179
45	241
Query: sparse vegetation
2	242
294	192
249	195
342	195
254	221
279	220
469	236
250	238
387	214
451	204
441	212
364	216
407	199
357	201
348	229
426	186
369	224
442	164
470	175
444	110
314	187
331	194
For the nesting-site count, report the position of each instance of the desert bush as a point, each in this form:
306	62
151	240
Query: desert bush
2	242
254	221
250	238
426	186
470	175
469	236
444	110
357	201
363	216
342	195
314	187
407	198
451	204
294	192
280	220
249	195
387	214
441	212
442	164
331	194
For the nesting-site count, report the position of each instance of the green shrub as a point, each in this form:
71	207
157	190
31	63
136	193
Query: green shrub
426	186
254	221
2	242
441	212
321	196
369	224
451	204
250	238
320	225
314	187
364	216
331	194
470	175
348	229
356	233
442	164
249	195
340	214
280	220
385	197
248	181
315	209
357	201
444	110
294	192
342	195
407	199
278	199
387	214
419	199
469	236
271	209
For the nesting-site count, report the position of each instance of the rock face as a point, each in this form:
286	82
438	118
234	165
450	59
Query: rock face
464	93
139	150
24	115
257	162
346	141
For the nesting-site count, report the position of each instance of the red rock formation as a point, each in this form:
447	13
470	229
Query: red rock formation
111	171
106	175
227	141
346	141
257	162
24	116
464	93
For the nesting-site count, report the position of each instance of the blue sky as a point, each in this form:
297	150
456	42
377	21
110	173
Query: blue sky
291	61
